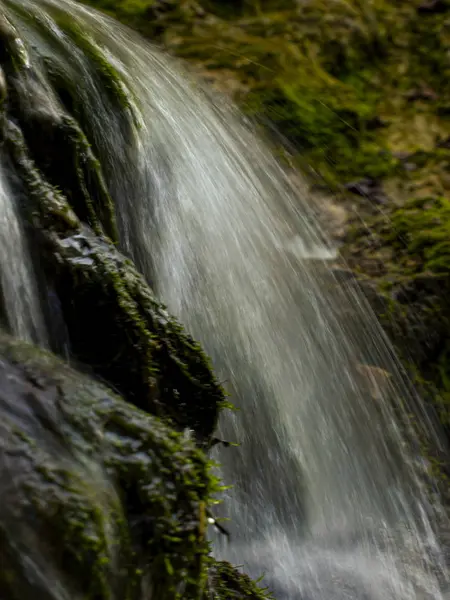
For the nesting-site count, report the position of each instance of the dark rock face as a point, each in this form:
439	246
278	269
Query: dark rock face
98	498
104	495
433	7
369	189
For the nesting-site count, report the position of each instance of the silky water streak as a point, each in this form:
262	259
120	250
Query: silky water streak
326	498
19	290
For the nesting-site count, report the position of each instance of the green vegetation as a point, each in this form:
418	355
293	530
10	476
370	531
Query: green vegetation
348	84
226	585
358	89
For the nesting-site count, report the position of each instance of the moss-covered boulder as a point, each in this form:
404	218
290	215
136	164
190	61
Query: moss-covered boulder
115	324
99	499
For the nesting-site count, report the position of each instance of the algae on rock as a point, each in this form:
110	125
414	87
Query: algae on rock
115	324
99	499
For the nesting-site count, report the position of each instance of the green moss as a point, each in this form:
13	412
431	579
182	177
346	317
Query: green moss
150	17
83	59
422	229
106	74
107	499
65	157
90	184
226	583
338	80
328	124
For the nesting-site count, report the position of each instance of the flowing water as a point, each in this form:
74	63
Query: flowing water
18	286
326	499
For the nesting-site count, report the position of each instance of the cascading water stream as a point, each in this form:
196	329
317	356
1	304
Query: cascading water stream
18	285
326	496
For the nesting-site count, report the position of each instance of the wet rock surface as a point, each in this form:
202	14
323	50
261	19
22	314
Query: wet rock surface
100	500
97	495
106	493
108	305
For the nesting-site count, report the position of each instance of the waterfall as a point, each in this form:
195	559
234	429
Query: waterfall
326	497
18	285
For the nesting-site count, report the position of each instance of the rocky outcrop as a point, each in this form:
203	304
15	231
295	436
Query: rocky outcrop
105	494
107	306
99	499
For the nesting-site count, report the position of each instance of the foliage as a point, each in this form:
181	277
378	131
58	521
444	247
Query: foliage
339	80
226	583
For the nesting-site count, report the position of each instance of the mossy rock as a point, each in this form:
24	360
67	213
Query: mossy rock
346	83
225	582
115	324
100	500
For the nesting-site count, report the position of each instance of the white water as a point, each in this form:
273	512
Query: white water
326	497
18	285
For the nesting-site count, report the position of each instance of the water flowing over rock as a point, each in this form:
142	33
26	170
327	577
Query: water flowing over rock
93	490
20	297
99	499
134	186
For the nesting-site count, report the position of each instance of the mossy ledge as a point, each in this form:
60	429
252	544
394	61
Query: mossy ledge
109	494
115	324
111	488
100	500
